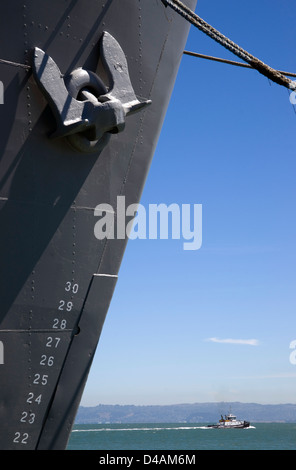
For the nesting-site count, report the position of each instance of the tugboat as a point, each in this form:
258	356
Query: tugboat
230	422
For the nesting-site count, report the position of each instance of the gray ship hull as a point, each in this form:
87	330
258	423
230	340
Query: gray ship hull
56	277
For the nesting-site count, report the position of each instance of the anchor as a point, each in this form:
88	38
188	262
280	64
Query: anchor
86	119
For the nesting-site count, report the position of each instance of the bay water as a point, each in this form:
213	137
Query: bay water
182	436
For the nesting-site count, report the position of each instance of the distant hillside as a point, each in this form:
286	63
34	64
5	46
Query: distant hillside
185	413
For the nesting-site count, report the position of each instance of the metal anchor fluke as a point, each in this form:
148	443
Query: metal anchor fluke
86	112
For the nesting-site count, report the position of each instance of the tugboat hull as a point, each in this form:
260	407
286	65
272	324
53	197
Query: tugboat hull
240	425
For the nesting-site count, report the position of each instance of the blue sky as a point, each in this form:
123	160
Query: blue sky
228	143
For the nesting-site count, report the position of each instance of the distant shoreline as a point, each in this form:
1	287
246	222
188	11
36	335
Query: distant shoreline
185	413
